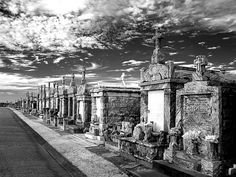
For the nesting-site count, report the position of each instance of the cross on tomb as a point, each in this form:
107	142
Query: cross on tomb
72	83
157	56
83	79
158	37
200	63
63	82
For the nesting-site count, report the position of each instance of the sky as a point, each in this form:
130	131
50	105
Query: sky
43	40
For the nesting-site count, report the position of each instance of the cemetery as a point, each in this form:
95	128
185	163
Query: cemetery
181	116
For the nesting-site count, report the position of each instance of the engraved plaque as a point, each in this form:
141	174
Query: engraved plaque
197	112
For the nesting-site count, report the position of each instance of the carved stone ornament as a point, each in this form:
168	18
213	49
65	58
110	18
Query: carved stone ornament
81	90
157	72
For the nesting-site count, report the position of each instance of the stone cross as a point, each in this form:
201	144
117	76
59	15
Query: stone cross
72	83
83	79
49	87
200	63
158	56
158	37
63	82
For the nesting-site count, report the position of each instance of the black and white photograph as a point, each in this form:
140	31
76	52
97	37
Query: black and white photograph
117	88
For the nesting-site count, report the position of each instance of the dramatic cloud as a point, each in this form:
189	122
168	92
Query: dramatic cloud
71	24
213	48
58	60
122	70
93	66
232	62
133	63
42	38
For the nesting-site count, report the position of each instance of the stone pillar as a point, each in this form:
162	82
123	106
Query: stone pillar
83	115
169	108
49	100
60	107
53	96
64	107
94	110
144	106
69	106
44	97
41	98
74	107
102	116
77	109
87	110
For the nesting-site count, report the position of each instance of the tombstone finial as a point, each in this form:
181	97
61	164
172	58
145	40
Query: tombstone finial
63	82
158	56
200	64
123	79
72	83
83	79
222	69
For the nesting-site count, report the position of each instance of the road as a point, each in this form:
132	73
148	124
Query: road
20	153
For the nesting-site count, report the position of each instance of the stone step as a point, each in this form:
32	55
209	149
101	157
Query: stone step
145	173
173	170
74	129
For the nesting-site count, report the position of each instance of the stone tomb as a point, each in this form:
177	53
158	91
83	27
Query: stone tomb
83	111
158	89
202	138
159	83
113	106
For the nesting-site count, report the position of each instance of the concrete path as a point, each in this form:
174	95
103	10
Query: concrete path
77	149
20	153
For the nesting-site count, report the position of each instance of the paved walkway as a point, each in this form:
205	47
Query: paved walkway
21	155
87	155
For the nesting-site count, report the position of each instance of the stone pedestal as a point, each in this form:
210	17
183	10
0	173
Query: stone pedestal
142	150
211	167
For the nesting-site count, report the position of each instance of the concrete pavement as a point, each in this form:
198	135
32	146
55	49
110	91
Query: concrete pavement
82	153
20	153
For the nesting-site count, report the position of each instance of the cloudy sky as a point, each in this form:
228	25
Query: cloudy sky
42	40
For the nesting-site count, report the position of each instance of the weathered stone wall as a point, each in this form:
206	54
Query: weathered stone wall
121	108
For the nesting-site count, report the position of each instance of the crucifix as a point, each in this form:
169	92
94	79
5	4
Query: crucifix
158	56
83	79
72	83
63	82
200	63
158	37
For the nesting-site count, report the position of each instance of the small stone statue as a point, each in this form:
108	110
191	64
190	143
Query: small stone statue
122	79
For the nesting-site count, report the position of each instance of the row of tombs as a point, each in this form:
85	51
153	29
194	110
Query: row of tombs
185	116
